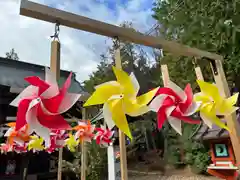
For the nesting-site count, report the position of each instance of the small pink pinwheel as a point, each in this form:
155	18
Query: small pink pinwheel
41	104
103	136
5	148
57	140
84	131
20	148
173	104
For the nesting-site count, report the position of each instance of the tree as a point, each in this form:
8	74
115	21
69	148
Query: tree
209	25
12	55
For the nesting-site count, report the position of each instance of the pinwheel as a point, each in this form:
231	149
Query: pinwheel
41	104
20	137
5	148
84	131
117	155
36	144
71	143
213	104
57	140
120	98
173	104
103	136
20	148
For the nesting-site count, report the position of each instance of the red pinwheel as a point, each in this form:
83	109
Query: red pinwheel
173	104
57	140
103	136
41	104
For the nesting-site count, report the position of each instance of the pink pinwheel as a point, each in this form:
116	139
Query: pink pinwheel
103	136
57	140
5	148
20	148
41	104
84	131
173	104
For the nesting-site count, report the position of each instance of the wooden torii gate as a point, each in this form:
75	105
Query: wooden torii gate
45	13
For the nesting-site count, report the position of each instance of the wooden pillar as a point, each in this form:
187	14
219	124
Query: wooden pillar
55	58
165	74
122	141
232	123
83	152
55	68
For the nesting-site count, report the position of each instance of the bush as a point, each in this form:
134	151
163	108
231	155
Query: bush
97	163
197	156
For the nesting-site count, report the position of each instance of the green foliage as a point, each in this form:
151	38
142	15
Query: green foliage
97	162
208	25
197	156
12	55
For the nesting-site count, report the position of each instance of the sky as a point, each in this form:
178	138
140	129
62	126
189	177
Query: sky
80	51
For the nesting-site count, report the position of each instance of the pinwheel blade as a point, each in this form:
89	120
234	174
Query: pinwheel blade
147	97
118	116
26	93
175	124
124	79
102	94
108	116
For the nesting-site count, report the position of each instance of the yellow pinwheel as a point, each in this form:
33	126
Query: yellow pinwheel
71	143
213	104
120	98
36	143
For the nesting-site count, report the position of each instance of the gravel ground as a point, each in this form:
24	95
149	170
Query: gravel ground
174	177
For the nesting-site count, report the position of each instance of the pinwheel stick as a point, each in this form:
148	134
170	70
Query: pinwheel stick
122	141
55	68
83	152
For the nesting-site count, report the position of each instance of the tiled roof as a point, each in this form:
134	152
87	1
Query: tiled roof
205	133
12	73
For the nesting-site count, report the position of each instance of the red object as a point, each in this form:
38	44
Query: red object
181	105
52	120
103	136
220	168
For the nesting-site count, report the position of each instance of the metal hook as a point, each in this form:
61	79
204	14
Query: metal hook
194	61
214	66
56	33
116	42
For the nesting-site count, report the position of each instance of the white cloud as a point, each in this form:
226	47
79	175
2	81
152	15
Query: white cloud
80	50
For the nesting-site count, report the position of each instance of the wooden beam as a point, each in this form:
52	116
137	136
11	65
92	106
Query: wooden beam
53	15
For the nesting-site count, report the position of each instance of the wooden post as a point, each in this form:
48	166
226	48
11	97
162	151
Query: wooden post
55	68
165	74
232	123
83	152
198	72
122	141
197	69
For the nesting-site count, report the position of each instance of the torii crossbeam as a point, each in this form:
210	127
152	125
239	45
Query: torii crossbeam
45	13
68	19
